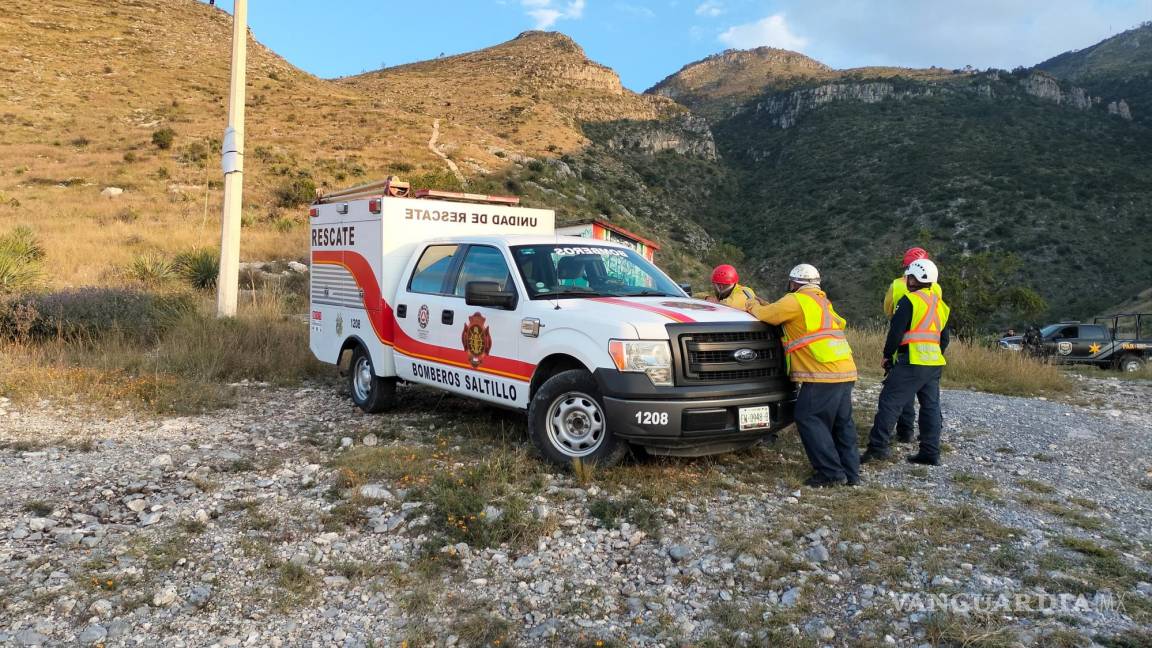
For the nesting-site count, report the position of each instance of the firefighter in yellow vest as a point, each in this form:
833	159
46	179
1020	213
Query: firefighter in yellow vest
820	361
727	290
906	423
914	360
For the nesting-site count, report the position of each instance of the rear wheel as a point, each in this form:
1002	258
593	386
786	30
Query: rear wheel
1131	364
370	392
566	421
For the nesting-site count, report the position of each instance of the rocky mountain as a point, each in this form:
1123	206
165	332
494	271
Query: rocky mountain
1119	70
1125	55
845	168
132	94
719	84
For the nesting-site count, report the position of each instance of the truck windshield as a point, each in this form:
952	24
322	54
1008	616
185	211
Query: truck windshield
562	270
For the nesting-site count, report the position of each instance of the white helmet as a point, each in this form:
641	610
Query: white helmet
805	274
924	270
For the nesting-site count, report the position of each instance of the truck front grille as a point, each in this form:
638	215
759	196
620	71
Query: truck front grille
728	353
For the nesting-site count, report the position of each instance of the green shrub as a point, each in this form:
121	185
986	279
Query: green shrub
295	191
20	257
199	267
163	138
91	313
150	269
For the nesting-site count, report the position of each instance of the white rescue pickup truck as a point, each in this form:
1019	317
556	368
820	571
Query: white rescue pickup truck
475	296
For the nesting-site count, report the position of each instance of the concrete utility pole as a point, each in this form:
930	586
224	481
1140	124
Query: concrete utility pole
233	164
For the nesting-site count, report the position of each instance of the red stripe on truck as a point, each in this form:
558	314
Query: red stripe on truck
670	314
389	332
379	312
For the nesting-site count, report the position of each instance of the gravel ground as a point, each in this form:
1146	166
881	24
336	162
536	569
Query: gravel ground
251	527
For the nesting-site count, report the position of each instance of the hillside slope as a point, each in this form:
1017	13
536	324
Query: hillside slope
1118	70
88	84
1066	190
717	85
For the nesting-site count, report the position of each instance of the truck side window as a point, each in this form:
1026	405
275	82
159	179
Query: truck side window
483	263
1068	333
428	277
1093	332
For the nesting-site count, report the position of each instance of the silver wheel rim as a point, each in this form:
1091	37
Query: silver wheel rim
575	425
1131	366
362	379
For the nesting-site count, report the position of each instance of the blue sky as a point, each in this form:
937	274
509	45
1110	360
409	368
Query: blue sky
646	40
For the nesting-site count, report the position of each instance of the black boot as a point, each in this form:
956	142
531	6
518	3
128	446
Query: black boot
820	481
874	455
905	437
924	460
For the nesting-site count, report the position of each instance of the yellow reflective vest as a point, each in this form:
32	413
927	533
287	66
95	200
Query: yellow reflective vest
929	317
897	290
813	336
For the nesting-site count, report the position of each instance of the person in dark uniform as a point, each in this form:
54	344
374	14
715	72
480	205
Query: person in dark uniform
914	360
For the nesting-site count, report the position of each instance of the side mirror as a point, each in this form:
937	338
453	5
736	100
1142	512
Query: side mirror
488	293
686	287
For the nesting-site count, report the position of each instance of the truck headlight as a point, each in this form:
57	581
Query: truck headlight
653	357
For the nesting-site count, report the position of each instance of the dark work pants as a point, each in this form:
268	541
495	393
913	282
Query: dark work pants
824	421
904	383
906	424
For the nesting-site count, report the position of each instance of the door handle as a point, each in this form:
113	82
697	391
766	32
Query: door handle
446	317
402	310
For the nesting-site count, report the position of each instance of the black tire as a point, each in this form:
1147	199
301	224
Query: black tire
1130	364
566	421
370	392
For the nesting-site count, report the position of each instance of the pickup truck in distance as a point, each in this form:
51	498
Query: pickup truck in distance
591	341
1122	342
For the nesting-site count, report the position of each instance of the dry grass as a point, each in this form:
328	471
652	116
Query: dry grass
188	369
972	367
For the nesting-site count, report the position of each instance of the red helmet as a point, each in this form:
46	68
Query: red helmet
725	275
914	254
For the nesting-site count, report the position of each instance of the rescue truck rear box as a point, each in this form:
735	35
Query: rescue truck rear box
592	341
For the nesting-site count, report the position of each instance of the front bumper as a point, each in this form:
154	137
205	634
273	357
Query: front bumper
694	427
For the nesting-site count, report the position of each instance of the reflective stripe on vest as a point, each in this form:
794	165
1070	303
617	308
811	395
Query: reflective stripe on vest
827	341
929	314
824	375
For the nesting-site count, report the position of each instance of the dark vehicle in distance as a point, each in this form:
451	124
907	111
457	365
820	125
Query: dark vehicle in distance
1122	342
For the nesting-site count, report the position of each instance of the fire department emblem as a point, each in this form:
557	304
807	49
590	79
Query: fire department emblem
476	339
422	317
339	324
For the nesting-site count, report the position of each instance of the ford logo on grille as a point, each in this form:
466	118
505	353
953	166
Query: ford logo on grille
744	355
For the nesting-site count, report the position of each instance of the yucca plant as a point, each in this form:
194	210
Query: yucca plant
151	269
199	267
20	256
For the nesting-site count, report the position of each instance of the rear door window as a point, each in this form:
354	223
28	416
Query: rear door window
432	269
1093	332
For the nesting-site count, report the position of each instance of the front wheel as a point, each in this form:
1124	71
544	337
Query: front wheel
566	421
370	392
1131	364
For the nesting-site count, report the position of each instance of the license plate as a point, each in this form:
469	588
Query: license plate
755	418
